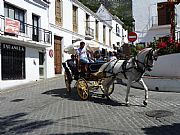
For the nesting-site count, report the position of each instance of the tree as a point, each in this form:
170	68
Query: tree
121	8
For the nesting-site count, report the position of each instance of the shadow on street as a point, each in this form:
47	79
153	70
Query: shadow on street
73	95
85	133
173	129
16	124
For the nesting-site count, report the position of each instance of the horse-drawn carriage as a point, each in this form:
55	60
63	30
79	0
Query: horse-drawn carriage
86	81
102	75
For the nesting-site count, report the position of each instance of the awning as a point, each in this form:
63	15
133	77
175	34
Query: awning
90	45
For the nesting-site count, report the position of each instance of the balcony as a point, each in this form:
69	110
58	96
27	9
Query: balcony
89	33
22	33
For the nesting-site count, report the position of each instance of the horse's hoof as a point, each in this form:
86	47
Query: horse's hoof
145	103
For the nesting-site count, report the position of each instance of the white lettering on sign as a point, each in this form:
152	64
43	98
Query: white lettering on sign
132	36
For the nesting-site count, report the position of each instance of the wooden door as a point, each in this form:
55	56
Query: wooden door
57	55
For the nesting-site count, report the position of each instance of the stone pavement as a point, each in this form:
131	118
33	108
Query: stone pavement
44	108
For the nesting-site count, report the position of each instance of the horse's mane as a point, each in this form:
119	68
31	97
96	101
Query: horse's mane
143	52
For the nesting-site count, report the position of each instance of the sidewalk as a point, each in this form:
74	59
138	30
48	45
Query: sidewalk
24	83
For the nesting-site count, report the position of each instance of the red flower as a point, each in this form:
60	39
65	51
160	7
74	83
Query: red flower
177	44
171	40
162	45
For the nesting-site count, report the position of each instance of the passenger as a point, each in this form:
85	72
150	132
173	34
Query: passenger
98	57
72	65
112	56
82	58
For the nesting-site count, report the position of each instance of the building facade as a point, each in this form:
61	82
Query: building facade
155	21
71	21
34	33
118	33
24	39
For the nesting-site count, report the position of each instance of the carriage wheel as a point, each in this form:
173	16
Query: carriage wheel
110	90
82	89
67	82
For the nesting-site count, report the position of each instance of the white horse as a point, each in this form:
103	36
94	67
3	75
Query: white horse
132	70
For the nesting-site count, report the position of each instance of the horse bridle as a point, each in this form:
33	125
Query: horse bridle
146	61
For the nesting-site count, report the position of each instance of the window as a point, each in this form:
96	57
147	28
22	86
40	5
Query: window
16	14
163	14
104	34
109	37
75	19
97	31
87	21
117	30
13	62
58	12
35	28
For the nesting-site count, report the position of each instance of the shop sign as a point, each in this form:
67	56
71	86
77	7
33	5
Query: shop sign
12	47
12	26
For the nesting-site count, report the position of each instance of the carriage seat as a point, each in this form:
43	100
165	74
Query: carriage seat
94	67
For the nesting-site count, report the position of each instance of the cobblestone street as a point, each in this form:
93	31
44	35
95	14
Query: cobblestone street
44	108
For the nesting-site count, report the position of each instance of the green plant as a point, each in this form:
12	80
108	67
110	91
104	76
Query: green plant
166	45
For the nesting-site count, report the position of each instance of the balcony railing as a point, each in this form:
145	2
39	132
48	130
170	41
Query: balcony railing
89	32
27	32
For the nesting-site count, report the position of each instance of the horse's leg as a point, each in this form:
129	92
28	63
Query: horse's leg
128	90
146	91
106	84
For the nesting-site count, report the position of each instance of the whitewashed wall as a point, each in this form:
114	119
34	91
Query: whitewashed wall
32	53
143	11
32	8
167	65
32	64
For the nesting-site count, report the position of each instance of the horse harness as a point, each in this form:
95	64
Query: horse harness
135	66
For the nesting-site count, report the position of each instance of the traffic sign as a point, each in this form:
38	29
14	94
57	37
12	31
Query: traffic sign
51	53
132	36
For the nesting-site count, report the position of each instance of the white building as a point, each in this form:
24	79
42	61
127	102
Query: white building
24	38
72	22
34	33
119	34
152	19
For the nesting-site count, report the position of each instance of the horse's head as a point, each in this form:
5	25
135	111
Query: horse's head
145	58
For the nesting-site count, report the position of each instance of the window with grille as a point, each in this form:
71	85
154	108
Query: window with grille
13	62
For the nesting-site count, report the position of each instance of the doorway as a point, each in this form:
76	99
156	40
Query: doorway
41	65
35	28
58	55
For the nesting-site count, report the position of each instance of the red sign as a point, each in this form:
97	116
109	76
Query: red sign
12	26
132	36
51	53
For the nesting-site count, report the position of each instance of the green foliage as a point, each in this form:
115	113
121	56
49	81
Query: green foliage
166	46
93	5
121	8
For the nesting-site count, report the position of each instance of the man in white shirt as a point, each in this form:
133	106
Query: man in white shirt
82	58
82	53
